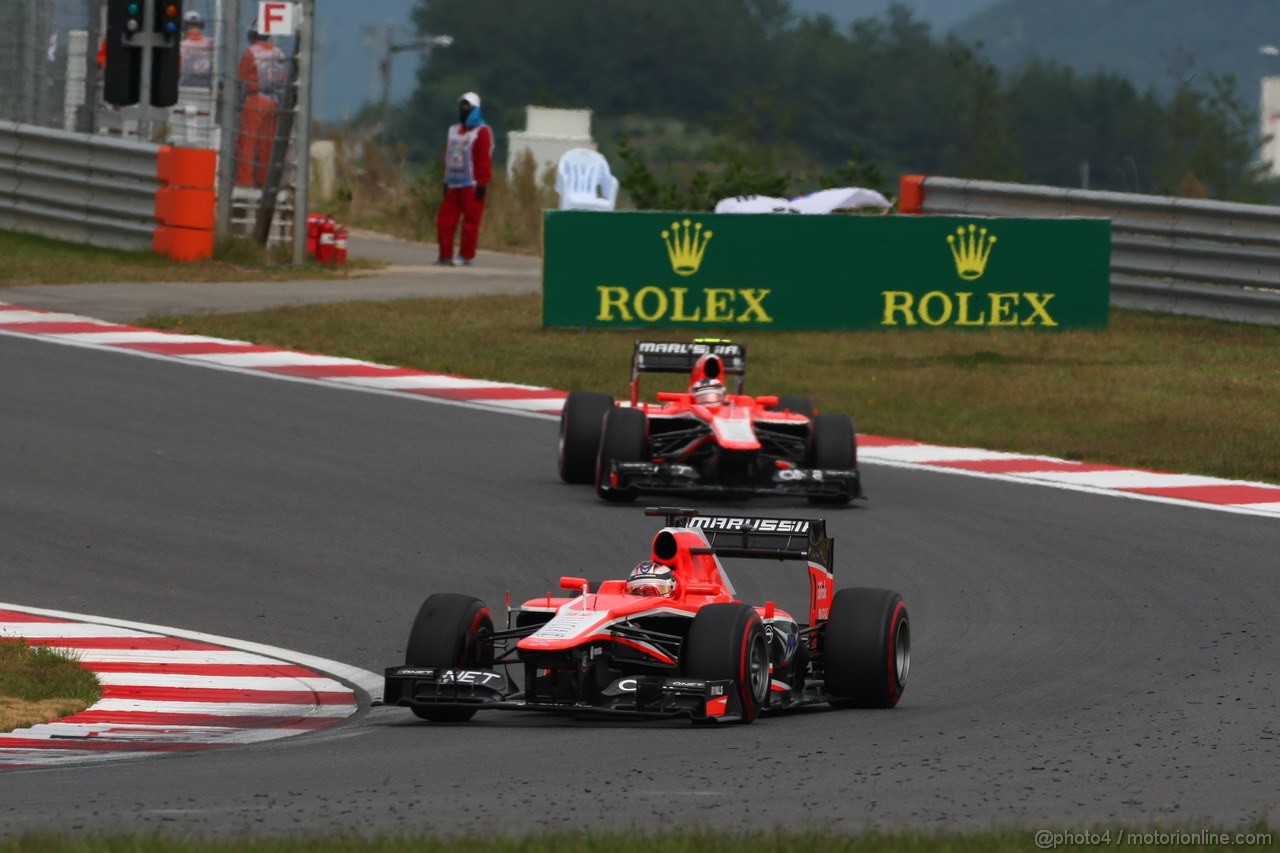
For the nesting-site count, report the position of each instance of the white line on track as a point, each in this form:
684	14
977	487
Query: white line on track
367	681
188	691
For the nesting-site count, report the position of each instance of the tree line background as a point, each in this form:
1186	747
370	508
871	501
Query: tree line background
694	102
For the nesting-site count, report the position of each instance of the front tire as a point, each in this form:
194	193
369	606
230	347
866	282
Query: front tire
866	648
581	422
451	631
625	439
726	641
834	447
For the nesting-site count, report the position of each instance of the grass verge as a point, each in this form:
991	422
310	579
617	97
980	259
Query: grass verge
40	260
40	683
1152	391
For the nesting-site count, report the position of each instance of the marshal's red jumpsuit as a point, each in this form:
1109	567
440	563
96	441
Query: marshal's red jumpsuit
468	163
262	74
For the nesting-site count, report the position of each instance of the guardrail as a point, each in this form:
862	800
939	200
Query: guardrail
1173	255
72	186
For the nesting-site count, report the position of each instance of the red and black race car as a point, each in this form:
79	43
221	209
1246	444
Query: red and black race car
706	440
672	639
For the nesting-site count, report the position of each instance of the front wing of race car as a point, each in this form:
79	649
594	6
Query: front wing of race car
674	478
631	696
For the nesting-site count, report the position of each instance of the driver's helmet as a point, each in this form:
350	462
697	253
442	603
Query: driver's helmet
192	19
708	392
650	578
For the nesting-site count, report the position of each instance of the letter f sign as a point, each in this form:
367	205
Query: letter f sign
275	18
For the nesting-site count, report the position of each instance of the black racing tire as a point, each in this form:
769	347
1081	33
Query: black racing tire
581	422
866	648
833	445
451	631
726	641
625	439
796	405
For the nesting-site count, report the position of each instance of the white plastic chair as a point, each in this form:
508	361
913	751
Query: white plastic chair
584	181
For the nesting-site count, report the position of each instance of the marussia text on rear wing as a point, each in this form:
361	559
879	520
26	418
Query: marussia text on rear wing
752	536
680	357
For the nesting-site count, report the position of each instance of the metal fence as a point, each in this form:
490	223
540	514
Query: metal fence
236	97
40	79
1173	255
75	187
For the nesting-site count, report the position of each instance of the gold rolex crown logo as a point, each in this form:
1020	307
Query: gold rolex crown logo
686	243
971	251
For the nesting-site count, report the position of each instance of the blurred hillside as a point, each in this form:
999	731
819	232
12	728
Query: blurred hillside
350	38
940	15
1153	43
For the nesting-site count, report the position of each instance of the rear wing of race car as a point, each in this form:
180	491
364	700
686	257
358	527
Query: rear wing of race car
802	539
680	357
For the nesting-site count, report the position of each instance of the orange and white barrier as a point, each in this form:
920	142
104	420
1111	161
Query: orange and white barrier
185	202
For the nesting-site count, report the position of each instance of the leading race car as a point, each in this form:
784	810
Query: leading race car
672	639
706	440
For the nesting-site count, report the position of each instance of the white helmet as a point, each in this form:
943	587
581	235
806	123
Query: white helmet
650	578
708	392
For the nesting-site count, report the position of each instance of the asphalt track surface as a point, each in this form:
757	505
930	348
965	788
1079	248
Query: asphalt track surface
1079	660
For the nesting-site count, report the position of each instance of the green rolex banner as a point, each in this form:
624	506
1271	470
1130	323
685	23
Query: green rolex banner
778	271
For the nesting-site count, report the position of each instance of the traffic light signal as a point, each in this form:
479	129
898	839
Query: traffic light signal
166	66
169	17
127	36
124	61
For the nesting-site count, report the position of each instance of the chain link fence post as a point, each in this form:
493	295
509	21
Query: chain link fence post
302	181
228	117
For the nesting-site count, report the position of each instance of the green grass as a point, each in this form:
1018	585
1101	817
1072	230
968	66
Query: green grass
40	683
40	260
1003	841
1153	391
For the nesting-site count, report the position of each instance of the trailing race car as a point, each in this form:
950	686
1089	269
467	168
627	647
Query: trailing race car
670	640
706	440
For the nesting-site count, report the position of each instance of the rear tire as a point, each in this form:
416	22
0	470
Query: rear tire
625	439
834	447
866	648
451	631
726	641
581	422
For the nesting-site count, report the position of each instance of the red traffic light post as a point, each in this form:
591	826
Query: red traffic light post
143	56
